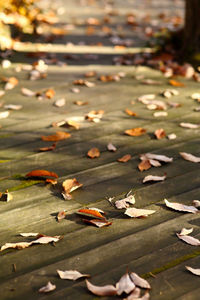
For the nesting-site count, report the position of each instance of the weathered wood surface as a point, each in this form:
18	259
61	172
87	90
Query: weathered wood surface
147	245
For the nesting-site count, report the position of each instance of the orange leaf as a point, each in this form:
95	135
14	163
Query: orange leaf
41	173
80	103
124	158
94	152
61	215
144	165
176	83
60	135
70	185
135	131
91	213
50	93
52	181
44	149
160	133
130	112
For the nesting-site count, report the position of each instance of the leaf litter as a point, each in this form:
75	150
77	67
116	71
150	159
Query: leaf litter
71	274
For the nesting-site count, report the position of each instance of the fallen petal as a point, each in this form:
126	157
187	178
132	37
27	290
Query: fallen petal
189	239
181	207
71	274
185	231
106	290
154	178
139	281
137	213
47	288
125	284
190	157
193	271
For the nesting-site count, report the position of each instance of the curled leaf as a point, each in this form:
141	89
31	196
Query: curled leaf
94	115
160	133
190	157
196	203
130	112
135	131
71	274
41	173
47	288
70	185
189	239
124	203
139	281
111	147
144	165
6	196
181	207
106	290
193	271
50	148
27	92
125	284
93	152
61	215
73	124
159	157
137	213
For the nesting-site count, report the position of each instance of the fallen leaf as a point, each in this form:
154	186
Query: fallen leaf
80	103
111	147
6	196
50	148
130	112
90	74
61	215
160	114
196	96
176	83
50	93
172	136
124	158
94	115
97	222
20	245
189	239
169	93
154	178
90	213
59	136
151	82
41	173
93	152
70	185
193	271
13	106
73	124
189	125
180	207
4	114
146	97
106	290
84	82
109	78
45	239
135	131
137	213
47	288
196	203
11	82
29	234
144	165
185	231
51	181
160	133
59	102
2	93
124	203
190	157
135	295
27	92
125	284
139	281
159	157
71	274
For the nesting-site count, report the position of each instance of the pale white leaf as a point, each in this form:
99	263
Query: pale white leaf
155	163
195	96
190	157
6	64
145	98
75	90
20	245
154	178
124	203
159	157
189	125
189	239
172	136
196	203
9	86
97	209
59	102
181	207
106	290
193	271
139	281
27	92
4	114
185	231
71	274
160	114
13	106
136	212
29	234
125	284
2	93
134	295
46	240
111	147
47	288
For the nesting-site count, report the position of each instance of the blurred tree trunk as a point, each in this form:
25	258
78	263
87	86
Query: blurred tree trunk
191	34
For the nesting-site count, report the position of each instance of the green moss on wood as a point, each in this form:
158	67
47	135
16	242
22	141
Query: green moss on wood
25	184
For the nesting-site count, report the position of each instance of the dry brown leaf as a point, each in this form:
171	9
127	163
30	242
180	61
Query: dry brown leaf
154	178
137	213
181	207
73	124
41	173
125	285
47	288
144	165
185	231
139	281
111	147
124	158
160	133
159	157
50	148
27	92
130	112
71	274
106	290
61	215
80	103
45	239
189	125
90	213
70	185
93	152
176	83
190	157
97	222
135	131
50	93
4	114
189	239
59	102
193	271
59	136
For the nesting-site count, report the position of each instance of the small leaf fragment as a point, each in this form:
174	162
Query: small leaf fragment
172	136
50	93
80	103
190	157
124	203
154	178
160	133
6	196
71	274
185	231
13	106
139	281
93	153
193	271
27	92
135	131
94	116
41	173
181	207
47	288
4	114
111	147
137	213
50	148
125	284
124	158
61	215
130	112
144	165
97	222
106	290
189	239
176	83
59	102
189	125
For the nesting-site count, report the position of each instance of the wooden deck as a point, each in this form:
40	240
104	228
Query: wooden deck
148	246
